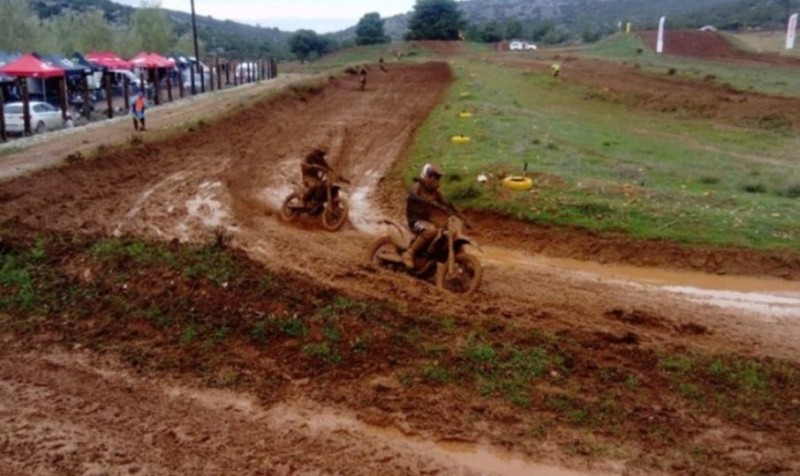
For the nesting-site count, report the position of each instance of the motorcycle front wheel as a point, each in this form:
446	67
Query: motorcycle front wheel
335	214
291	207
466	275
379	247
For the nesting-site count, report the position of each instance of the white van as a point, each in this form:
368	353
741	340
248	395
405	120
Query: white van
118	77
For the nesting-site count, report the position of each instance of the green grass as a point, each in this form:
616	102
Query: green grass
767	79
606	167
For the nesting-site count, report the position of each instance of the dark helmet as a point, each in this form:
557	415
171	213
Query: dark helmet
316	155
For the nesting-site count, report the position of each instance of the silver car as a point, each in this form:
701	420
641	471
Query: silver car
44	117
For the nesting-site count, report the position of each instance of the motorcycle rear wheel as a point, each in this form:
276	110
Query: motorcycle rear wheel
466	277
335	214
291	207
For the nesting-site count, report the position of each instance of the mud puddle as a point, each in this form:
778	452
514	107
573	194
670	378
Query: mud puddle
324	423
770	297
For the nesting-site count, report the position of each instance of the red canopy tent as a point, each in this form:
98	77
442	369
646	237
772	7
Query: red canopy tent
107	59
29	66
151	60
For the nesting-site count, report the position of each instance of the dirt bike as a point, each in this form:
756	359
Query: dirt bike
445	258
331	205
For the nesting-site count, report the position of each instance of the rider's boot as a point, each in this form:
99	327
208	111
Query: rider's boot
408	255
306	198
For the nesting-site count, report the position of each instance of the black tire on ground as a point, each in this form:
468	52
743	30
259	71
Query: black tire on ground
466	278
40	128
334	216
288	212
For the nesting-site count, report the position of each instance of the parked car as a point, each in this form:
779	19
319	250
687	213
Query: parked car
44	117
186	76
247	71
519	45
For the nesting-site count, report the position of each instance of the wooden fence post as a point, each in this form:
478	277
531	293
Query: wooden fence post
109	99
87	112
3	136
26	105
219	74
62	97
156	85
126	93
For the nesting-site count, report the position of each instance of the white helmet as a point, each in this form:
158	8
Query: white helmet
424	173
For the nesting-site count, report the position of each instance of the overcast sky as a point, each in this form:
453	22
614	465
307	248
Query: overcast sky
322	16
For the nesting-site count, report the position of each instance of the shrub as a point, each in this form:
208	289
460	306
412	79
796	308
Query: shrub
754	188
791	191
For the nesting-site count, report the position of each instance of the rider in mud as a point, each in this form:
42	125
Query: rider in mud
314	169
426	209
362	77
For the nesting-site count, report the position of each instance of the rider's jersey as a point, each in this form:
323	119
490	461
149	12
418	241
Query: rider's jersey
314	159
420	204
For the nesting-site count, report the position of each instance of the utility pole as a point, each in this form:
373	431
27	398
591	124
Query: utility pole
196	55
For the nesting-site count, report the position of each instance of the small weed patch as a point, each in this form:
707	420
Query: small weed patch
293	326
754	188
791	191
189	334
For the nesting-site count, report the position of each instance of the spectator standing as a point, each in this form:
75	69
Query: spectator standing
138	108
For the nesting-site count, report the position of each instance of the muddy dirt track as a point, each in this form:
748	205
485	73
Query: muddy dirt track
234	174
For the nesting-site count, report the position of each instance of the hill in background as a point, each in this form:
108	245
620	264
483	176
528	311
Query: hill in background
545	21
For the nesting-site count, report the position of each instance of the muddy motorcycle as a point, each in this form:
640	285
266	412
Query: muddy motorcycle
445	258
329	203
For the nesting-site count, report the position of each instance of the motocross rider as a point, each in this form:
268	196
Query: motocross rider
426	211
314	169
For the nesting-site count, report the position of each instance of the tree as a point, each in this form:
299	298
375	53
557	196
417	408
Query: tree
95	33
369	30
59	34
435	20
305	42
151	27
492	32
513	30
185	45
19	27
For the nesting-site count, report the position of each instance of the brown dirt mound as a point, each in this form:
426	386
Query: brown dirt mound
444	48
612	248
709	45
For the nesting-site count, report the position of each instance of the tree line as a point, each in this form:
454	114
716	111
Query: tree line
149	29
61	28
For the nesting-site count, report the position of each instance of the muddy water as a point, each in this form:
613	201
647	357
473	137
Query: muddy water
322	423
459	458
768	297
